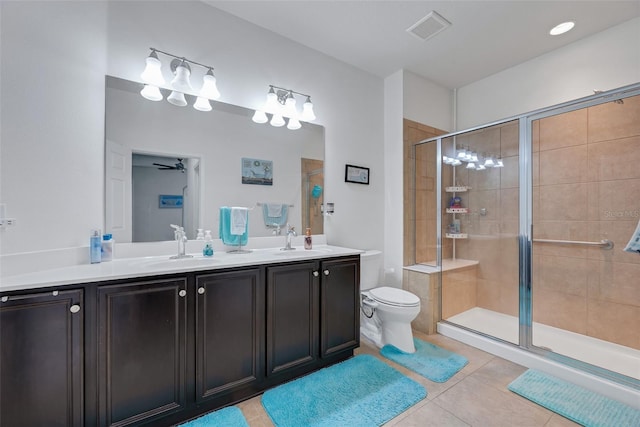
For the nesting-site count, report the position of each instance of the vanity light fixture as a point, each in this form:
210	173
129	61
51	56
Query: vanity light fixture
281	103
180	84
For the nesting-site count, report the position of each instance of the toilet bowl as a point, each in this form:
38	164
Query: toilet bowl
387	312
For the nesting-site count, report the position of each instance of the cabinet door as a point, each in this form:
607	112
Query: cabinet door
340	305
229	332
292	313
141	350
41	359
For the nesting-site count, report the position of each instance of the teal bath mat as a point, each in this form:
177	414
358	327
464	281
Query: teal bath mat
429	360
574	402
227	417
359	392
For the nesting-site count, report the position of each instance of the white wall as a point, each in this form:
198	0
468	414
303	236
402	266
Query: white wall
55	56
426	102
604	61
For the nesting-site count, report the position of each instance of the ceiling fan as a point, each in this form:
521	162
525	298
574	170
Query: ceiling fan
178	166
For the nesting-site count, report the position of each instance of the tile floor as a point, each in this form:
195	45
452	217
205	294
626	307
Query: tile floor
475	396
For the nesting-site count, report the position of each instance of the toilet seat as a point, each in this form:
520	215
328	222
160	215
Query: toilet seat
394	297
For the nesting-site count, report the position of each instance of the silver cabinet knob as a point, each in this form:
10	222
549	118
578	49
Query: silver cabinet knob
316	274
74	308
326	272
201	290
182	293
55	293
5	299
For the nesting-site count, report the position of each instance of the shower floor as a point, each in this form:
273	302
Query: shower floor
614	357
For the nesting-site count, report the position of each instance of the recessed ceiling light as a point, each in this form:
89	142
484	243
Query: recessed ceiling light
562	28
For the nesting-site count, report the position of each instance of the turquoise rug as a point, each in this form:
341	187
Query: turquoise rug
226	417
429	360
362	391
574	402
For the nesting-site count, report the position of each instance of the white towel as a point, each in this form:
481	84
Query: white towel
274	210
634	242
238	220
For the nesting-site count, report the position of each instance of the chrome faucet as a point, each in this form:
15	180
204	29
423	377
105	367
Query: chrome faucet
277	230
181	238
291	232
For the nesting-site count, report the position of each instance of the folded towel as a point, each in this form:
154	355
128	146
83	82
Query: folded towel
274	209
224	230
634	243
238	220
271	220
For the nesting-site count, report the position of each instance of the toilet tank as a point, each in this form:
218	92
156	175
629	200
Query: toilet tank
370	269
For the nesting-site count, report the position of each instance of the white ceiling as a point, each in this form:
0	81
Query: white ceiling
485	36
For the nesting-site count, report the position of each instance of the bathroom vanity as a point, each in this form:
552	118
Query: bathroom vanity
154	341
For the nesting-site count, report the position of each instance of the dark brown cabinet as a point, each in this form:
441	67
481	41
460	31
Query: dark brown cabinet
292	316
141	351
41	359
229	333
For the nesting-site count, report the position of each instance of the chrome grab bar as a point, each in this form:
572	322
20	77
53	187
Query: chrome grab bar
604	243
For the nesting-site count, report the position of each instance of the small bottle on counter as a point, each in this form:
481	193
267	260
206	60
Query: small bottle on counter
107	247
95	247
307	239
208	244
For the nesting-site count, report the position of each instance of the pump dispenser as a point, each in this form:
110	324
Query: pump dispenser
95	247
208	244
307	239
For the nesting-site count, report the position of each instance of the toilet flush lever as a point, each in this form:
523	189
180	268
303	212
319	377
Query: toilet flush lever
369	302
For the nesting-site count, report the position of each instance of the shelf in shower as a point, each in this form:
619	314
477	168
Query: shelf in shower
456	235
456	189
457	210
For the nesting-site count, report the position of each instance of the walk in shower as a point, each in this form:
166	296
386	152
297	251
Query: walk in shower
535	213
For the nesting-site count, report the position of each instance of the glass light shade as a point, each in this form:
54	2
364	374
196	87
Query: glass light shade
471	165
480	168
462	154
499	164
277	120
272	101
152	73
290	106
181	80
473	157
177	98
488	162
260	117
307	110
456	162
446	160
209	88
152	93
202	104
293	124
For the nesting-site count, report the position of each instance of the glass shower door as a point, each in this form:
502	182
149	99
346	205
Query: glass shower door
586	197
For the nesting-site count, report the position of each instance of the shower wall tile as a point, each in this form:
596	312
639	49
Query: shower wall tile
561	230
613	121
560	310
566	202
488	295
488	179
618	232
509	203
485	140
614	322
509	174
535	135
458	291
616	159
564	165
563	130
616	200
487	199
510	139
614	282
564	275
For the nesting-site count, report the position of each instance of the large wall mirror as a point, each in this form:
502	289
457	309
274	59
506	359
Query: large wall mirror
176	165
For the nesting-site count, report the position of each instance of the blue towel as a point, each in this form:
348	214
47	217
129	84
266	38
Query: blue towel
269	221
224	229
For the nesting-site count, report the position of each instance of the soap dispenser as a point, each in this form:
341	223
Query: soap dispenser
307	239
208	244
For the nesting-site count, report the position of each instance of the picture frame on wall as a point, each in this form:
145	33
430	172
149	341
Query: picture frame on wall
356	174
256	171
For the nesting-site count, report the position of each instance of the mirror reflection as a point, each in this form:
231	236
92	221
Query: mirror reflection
176	165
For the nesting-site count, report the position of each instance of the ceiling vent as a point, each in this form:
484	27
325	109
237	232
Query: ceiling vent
429	26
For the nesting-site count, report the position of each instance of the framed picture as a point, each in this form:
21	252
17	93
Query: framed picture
356	174
170	201
255	171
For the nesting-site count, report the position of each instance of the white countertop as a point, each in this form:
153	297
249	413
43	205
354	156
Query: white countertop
125	268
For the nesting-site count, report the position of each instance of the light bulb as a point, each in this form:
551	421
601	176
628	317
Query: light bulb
202	104
152	93
290	106
473	157
177	98
181	80
489	163
260	117
277	120
480	168
293	124
272	100
153	70
209	88
471	165
462	154
307	110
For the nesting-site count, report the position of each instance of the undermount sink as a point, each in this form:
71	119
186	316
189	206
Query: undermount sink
302	252
177	262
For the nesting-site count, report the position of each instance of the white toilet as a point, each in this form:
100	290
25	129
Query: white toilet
386	313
